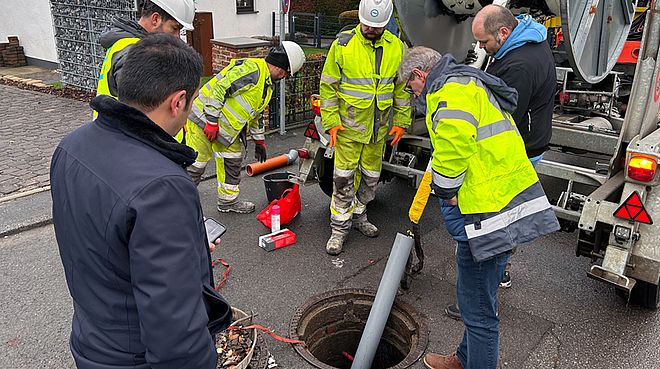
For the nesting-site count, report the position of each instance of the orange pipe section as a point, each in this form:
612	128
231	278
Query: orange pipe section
270	164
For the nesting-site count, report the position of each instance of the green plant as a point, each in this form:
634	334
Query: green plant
56	84
312	51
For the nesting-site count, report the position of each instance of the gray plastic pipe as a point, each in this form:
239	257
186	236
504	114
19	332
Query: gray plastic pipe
380	310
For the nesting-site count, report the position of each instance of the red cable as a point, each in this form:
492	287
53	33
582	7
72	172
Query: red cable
267	331
225	275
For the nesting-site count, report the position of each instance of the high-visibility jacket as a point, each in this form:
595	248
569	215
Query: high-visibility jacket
359	89
479	156
235	98
103	87
476	147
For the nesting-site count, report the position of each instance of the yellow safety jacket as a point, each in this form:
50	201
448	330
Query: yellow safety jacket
477	149
359	89
235	98
102	87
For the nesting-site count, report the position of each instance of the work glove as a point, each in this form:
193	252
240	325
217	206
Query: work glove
333	134
260	150
211	130
397	132
470	58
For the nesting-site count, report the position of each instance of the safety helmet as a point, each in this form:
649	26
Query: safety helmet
183	11
375	13
295	55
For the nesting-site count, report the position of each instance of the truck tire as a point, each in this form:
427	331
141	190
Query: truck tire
325	173
646	295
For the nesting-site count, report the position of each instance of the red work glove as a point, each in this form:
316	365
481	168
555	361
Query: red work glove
397	132
260	150
333	134
211	130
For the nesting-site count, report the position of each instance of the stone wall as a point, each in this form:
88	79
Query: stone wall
224	50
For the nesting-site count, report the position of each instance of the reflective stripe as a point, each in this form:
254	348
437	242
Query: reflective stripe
200	164
387	96
249	79
448	182
402	102
227	187
506	218
244	104
494	129
238	117
228	155
454	114
387	80
328	79
350	121
370	173
357	81
329	103
358	94
346	173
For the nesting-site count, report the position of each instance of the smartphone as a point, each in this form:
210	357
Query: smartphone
214	230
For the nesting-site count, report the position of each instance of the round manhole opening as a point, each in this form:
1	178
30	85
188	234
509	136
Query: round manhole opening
331	325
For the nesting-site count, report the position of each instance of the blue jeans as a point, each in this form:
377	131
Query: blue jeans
476	289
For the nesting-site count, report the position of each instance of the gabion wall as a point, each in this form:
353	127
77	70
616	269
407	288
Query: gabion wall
78	25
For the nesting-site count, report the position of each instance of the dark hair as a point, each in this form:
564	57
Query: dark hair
155	67
502	17
146	8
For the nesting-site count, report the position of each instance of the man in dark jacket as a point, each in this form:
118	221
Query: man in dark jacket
522	58
130	232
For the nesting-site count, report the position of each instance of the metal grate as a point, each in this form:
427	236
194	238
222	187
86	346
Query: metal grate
78	25
299	89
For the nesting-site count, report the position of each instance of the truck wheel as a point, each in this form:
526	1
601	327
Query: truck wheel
325	173
646	295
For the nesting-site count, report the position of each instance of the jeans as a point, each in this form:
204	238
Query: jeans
476	289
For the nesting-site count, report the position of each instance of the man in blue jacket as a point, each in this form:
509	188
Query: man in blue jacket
522	58
130	232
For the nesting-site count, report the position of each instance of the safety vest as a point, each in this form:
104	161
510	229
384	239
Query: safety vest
235	98
477	148
102	87
359	76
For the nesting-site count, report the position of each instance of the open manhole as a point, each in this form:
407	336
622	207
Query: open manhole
331	325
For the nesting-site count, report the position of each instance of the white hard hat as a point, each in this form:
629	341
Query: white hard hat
375	13
295	54
183	11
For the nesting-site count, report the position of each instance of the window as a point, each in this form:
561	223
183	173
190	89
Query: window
244	6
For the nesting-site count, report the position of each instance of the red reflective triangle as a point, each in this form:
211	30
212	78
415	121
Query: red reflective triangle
633	209
634	200
643	217
311	131
622	212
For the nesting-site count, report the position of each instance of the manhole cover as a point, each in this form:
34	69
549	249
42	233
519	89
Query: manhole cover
331	325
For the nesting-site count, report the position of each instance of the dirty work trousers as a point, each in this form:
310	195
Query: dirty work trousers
356	165
227	162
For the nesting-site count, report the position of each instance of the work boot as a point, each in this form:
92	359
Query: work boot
366	228
241	207
335	243
436	361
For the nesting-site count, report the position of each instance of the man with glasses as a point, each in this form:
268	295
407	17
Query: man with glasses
359	98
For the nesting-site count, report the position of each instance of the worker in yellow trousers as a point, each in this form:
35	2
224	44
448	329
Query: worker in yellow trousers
360	99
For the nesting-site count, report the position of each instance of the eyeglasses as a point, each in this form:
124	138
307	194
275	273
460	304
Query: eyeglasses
409	89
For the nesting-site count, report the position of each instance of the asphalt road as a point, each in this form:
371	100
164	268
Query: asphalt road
552	317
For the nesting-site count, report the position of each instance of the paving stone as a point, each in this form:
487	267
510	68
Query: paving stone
33	124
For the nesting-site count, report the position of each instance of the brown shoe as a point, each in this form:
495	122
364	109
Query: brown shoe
435	361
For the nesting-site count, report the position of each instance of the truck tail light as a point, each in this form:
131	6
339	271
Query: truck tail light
642	168
316	104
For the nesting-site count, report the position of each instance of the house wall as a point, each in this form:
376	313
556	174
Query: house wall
226	23
31	21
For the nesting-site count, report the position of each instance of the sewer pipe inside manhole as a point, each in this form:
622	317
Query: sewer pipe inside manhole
331	325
